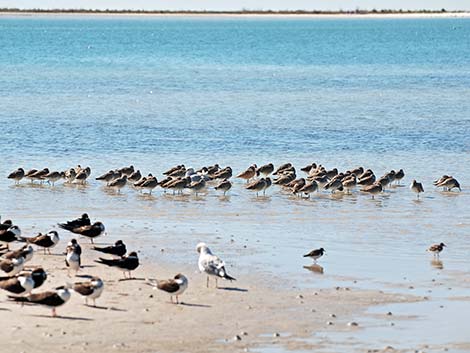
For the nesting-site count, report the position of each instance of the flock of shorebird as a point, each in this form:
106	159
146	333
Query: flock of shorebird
20	280
258	179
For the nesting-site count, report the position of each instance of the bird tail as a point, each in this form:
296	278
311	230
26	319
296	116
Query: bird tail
306	255
97	248
18	299
229	278
65	226
105	261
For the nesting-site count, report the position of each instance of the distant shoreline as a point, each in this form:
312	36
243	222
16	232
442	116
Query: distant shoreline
247	13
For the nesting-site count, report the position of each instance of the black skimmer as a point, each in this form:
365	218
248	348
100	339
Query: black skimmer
91	289
11	267
315	254
51	299
118	249
125	264
90	231
45	241
175	286
26	251
72	259
9	235
437	248
211	264
21	284
83	220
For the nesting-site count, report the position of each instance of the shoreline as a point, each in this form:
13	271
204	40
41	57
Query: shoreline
326	15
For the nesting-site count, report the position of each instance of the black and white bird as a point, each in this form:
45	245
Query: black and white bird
74	243
90	231
118	249
21	284
174	286
51	299
211	264
315	254
126	263
45	241
437	248
91	289
72	259
10	234
26	251
83	220
38	274
11	267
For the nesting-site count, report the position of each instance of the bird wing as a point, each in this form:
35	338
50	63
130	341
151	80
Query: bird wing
169	286
11	284
84	288
6	266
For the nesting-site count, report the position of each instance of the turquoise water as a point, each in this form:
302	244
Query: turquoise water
155	92
233	86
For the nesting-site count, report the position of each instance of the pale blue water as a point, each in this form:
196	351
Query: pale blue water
156	92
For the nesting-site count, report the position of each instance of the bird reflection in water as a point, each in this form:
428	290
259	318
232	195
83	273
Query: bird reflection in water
438	264
315	268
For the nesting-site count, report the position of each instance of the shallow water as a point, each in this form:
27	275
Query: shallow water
156	92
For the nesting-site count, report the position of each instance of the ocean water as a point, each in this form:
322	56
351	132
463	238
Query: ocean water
156	91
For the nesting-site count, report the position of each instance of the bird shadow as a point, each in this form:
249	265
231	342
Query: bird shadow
131	279
111	308
195	305
233	289
74	318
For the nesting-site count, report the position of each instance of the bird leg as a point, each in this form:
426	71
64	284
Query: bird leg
207	282
54	314
216	284
177	301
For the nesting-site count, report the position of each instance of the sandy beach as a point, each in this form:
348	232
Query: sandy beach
133	317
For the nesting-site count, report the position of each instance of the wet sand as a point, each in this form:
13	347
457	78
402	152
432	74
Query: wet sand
133	317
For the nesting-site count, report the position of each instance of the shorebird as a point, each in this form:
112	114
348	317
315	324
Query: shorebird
449	184
416	187
349	183
83	220
17	175
211	264
225	173
173	169
11	267
175	286
315	254
282	168
441	179
399	176
26	251
309	167
109	176
437	248
90	231
334	185
38	275
118	249
268	184
70	175
178	185
21	284
118	183
321	180
39	175
51	299
367	180
29	173
265	169
135	176
197	186
257	185
45	241
373	189
10	235
308	188
91	289
54	177
284	179
72	259
74	243
224	185
126	263
150	183
248	174
127	171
